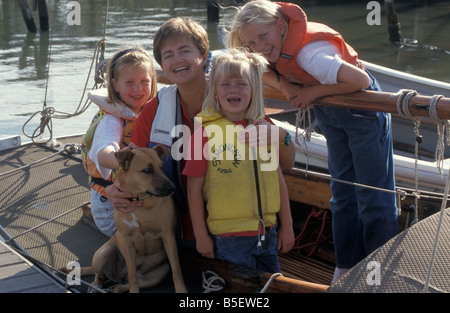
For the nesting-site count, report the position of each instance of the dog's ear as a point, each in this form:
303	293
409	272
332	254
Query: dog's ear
161	151
124	157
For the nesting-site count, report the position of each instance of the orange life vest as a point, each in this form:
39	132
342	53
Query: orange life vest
96	181
301	32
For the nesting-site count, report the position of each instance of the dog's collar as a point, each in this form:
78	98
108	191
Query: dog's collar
147	194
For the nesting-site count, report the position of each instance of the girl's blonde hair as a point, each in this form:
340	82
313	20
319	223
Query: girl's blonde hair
235	63
136	56
260	12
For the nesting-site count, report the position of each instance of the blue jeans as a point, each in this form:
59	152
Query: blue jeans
359	150
244	250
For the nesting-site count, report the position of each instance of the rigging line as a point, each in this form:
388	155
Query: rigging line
68	148
106	19
433	195
48	113
48	221
305	135
438	231
442	130
98	51
31	164
49	56
404	95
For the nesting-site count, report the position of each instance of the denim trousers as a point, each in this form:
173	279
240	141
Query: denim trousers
245	251
359	150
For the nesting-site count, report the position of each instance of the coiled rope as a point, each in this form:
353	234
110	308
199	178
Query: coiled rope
305	135
404	95
212	282
47	113
443	129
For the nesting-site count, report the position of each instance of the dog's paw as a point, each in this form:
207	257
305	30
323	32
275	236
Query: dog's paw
121	288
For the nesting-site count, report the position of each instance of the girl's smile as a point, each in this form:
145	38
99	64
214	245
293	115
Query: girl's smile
234	96
265	39
134	86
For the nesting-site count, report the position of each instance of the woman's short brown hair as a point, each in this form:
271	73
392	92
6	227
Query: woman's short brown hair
178	27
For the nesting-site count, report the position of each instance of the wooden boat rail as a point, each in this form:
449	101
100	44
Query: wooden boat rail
418	105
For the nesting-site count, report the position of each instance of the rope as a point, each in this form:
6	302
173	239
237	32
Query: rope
438	231
305	135
275	275
399	192
321	237
47	221
213	283
404	95
443	128
48	113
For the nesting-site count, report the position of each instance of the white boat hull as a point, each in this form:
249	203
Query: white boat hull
314	153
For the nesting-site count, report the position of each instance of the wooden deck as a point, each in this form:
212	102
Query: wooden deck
18	275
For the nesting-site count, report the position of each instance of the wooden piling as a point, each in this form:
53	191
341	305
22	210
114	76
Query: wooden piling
27	16
43	15
393	24
212	10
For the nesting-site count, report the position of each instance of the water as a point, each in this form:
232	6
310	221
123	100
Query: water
24	59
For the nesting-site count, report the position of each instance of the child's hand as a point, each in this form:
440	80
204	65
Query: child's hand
297	95
205	246
286	239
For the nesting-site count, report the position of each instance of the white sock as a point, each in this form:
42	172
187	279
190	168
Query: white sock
338	272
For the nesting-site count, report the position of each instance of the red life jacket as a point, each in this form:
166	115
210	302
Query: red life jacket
301	32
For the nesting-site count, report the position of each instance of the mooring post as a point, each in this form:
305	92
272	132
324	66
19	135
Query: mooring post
393	24
43	15
27	16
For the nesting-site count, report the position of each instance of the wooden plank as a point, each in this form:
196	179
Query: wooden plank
241	279
20	276
310	190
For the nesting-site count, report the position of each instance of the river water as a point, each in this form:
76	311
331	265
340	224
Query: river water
25	60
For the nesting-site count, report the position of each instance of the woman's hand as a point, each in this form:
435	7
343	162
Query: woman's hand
120	199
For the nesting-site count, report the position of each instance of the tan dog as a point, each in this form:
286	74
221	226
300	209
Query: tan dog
145	238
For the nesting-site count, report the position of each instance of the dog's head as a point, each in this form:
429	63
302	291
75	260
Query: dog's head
141	171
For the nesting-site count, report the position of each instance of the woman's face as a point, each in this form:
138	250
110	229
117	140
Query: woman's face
181	61
265	39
